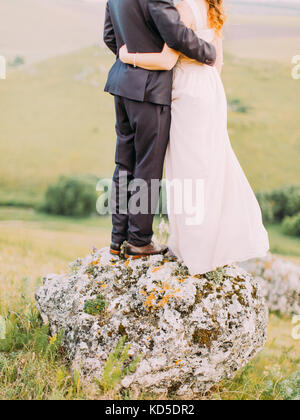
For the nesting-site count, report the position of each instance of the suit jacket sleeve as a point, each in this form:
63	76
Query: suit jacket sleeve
177	35
109	33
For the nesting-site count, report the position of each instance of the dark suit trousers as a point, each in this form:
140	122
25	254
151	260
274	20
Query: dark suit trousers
142	138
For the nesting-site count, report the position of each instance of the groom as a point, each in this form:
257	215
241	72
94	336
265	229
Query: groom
143	113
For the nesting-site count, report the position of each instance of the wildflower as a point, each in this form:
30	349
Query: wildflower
53	339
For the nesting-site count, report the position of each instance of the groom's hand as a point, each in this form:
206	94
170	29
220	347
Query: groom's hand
212	56
123	54
177	36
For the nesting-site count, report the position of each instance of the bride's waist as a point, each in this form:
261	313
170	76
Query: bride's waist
184	59
184	62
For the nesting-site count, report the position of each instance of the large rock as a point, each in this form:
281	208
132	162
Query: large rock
192	331
280	281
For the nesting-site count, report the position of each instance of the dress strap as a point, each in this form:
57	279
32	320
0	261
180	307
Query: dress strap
199	20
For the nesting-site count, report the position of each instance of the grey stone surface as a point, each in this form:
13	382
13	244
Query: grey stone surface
280	280
192	331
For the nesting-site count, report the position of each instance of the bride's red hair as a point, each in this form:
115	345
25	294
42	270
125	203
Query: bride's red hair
216	14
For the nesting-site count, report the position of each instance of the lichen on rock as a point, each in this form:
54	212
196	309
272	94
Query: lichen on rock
193	331
280	282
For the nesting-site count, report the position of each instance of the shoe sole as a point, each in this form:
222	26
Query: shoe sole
135	257
113	252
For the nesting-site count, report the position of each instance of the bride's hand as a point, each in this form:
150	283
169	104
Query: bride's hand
123	54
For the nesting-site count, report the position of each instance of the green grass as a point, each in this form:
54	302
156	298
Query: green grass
62	223
266	139
283	244
53	123
32	364
55	119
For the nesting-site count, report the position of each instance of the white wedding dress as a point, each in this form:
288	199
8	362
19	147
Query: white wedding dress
229	225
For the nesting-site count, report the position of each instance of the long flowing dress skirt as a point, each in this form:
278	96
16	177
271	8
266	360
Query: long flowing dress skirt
220	221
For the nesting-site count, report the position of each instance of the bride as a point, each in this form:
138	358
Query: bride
231	229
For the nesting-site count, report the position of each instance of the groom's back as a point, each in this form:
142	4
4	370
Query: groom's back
129	22
134	27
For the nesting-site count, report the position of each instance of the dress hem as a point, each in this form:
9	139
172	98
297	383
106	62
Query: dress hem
233	261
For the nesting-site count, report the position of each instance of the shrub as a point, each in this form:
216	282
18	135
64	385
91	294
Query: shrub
279	203
278	199
236	105
293	201
71	196
286	201
291	225
17	61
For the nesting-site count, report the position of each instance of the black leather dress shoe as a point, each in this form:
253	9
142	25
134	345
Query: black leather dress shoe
134	252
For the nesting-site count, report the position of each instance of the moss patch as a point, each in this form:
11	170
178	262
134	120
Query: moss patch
95	306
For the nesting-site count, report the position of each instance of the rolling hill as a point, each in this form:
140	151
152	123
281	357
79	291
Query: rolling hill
55	119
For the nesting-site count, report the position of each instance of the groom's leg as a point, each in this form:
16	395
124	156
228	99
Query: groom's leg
151	123
125	163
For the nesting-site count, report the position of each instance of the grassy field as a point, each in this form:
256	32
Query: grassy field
32	367
55	119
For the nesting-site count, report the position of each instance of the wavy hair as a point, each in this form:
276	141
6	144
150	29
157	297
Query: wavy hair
216	15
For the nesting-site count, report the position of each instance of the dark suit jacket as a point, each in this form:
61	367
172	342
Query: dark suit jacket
145	26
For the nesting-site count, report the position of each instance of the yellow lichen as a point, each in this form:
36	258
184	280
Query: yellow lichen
162	296
268	264
149	301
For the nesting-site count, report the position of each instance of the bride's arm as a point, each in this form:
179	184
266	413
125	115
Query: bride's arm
167	58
